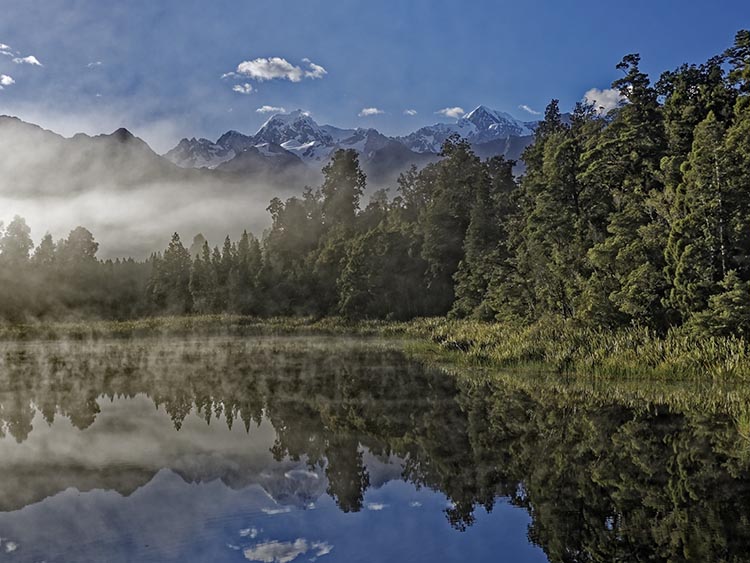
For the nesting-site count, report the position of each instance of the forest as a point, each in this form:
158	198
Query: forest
635	217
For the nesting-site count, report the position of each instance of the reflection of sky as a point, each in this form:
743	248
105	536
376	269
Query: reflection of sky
186	513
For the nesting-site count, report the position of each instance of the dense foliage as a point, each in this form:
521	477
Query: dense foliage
638	216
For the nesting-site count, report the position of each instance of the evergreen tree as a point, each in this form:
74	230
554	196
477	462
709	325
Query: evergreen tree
457	178
486	248
624	160
699	239
170	282
203	281
16	243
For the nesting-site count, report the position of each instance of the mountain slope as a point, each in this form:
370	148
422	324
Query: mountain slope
383	158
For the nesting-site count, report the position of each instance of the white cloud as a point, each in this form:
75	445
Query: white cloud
366	112
6	80
410	112
271	109
4	47
30	60
377	506
528	109
243	88
95	63
228	75
454	112
315	71
605	100
415	504
279	68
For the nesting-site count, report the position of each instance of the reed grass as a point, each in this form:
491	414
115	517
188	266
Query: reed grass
552	345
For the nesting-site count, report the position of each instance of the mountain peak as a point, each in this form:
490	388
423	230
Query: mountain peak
292	130
493	123
122	135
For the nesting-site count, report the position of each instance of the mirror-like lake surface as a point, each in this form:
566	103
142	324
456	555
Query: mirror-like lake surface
282	449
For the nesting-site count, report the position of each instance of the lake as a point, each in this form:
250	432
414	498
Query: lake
291	449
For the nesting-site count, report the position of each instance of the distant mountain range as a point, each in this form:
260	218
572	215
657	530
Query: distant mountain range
288	151
290	139
132	198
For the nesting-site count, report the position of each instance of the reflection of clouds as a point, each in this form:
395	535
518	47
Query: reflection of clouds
322	548
251	533
276	551
8	546
271	511
283	552
298	474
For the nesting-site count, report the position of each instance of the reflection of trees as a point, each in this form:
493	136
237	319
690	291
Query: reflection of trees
601	481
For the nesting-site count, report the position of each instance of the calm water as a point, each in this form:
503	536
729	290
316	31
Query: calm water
282	449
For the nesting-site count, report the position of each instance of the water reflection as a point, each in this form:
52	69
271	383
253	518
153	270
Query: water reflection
284	449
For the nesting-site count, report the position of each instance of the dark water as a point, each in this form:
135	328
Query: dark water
302	449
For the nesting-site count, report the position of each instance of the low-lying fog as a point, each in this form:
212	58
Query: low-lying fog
129	197
141	220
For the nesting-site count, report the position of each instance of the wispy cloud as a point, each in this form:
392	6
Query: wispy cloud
605	100
454	112
94	64
243	88
271	109
30	60
6	50
528	109
376	506
367	112
410	112
6	80
314	71
278	68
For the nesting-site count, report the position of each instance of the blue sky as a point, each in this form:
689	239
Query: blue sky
161	62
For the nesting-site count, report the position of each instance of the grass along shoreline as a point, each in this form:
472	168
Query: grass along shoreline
549	345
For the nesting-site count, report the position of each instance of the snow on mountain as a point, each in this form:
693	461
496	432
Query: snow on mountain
199	153
298	133
295	129
430	139
481	125
492	125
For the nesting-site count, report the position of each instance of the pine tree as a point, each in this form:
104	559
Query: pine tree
170	283
699	242
628	277
16	243
486	243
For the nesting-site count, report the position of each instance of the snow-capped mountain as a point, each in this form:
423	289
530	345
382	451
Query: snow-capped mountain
481	125
296	136
199	153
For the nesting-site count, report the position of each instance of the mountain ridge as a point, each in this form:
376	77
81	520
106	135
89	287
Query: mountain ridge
299	134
